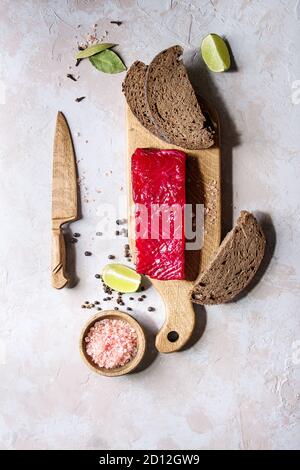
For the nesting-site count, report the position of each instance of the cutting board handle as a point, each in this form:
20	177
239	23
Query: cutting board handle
180	316
59	278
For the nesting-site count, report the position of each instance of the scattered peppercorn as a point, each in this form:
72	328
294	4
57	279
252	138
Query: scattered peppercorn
127	251
99	308
71	76
131	298
99	234
116	308
96	302
144	296
142	288
129	309
97	276
87	253
111	256
86	302
83	306
117	232
76	235
106	289
140	299
151	309
74	240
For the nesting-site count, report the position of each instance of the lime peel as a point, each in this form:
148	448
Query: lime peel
121	278
215	53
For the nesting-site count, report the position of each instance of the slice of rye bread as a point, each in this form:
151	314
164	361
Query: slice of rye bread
133	88
172	102
234	264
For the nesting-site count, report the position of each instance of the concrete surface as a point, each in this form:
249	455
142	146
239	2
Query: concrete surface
238	386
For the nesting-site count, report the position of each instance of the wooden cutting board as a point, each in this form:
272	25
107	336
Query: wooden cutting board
203	187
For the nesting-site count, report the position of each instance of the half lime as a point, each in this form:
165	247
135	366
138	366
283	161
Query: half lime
121	278
215	53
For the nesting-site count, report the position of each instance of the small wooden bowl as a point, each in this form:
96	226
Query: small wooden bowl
141	344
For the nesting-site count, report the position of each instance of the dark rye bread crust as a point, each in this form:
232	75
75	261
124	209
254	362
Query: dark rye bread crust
133	88
234	265
172	102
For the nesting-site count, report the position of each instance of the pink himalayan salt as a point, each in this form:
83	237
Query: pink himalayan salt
111	343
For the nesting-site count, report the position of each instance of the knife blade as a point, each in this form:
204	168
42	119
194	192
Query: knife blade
64	197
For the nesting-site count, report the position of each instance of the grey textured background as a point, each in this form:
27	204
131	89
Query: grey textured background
238	386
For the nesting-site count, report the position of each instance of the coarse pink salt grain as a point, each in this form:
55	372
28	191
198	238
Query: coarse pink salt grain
111	343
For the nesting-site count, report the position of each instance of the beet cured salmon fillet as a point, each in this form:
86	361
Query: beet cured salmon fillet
158	187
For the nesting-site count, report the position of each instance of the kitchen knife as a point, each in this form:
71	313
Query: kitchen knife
64	197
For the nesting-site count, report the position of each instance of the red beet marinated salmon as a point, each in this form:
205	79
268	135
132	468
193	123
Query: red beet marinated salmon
158	186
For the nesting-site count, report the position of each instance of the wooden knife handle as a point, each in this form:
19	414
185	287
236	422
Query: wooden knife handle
180	316
59	278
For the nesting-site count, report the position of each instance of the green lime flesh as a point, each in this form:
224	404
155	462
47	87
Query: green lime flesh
215	53
121	278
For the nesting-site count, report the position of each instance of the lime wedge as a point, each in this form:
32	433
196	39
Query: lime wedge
121	278
215	53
